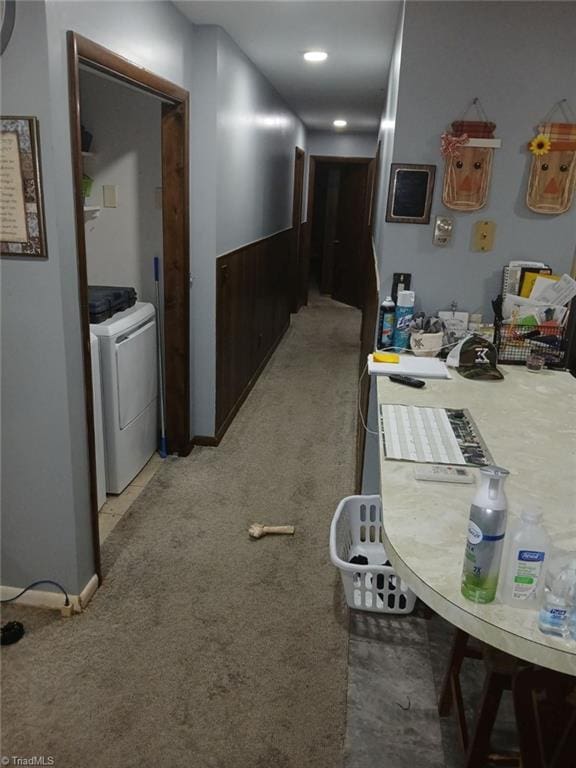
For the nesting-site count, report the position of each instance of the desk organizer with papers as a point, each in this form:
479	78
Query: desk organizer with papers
432	435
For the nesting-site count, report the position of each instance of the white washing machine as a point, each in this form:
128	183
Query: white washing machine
128	367
98	421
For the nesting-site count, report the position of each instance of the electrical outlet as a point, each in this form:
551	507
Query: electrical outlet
483	235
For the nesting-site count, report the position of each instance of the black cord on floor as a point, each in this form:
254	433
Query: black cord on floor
35	584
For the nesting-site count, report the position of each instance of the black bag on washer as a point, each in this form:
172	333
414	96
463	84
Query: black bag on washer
105	300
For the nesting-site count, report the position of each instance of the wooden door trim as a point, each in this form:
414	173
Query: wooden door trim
297	198
105	60
175	230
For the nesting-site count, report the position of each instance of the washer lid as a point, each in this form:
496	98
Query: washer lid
123	321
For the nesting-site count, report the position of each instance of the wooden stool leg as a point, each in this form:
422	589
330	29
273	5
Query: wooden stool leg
479	746
457	654
529	738
565	757
458	700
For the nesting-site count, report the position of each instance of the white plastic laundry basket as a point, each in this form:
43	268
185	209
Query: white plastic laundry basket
357	530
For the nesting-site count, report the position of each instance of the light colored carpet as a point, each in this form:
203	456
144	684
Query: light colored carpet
205	649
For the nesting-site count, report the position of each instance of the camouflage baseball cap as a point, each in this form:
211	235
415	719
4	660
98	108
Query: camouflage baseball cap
475	358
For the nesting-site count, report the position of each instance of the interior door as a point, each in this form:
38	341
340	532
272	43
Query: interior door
299	297
351	234
329	235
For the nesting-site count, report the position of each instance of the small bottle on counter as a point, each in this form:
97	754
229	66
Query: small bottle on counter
386	323
404	315
527	561
554	617
486	531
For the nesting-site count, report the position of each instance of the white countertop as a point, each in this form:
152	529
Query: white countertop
528	422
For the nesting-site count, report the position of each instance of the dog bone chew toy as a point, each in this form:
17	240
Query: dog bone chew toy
257	530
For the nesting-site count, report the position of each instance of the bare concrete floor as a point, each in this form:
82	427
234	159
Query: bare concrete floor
396	665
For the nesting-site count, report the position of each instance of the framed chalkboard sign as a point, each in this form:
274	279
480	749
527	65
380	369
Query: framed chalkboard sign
410	193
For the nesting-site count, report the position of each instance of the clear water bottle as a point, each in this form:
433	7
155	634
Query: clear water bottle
572	622
555	615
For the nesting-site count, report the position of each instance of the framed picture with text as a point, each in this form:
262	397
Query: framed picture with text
22	229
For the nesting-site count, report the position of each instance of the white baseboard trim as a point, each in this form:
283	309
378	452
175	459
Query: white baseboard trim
52	600
89	591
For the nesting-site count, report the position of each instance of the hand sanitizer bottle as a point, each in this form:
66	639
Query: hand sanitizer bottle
554	616
527	560
486	531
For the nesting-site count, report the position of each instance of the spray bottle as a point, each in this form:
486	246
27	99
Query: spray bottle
486	531
404	314
386	323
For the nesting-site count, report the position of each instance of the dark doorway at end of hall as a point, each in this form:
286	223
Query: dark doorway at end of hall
339	205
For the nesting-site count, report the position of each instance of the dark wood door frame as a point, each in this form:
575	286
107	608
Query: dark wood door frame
299	163
175	232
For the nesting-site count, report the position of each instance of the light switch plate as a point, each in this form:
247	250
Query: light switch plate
110	195
443	228
483	235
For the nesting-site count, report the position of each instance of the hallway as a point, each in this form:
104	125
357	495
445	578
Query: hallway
203	647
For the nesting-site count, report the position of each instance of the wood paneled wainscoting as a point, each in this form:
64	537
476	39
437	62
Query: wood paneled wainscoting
253	300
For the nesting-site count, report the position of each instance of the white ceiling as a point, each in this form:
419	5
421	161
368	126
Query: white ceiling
357	34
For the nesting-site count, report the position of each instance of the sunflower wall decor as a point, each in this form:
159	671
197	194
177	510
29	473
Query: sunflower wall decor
553	173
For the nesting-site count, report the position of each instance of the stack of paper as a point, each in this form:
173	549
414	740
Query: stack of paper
410	365
546	302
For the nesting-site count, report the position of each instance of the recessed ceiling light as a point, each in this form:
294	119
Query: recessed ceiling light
315	55
339	123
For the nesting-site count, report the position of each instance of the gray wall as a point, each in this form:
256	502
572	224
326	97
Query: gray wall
203	216
519	59
45	531
257	135
46	526
242	164
122	242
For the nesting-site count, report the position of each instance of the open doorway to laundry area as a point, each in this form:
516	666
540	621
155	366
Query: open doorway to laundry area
339	198
129	131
